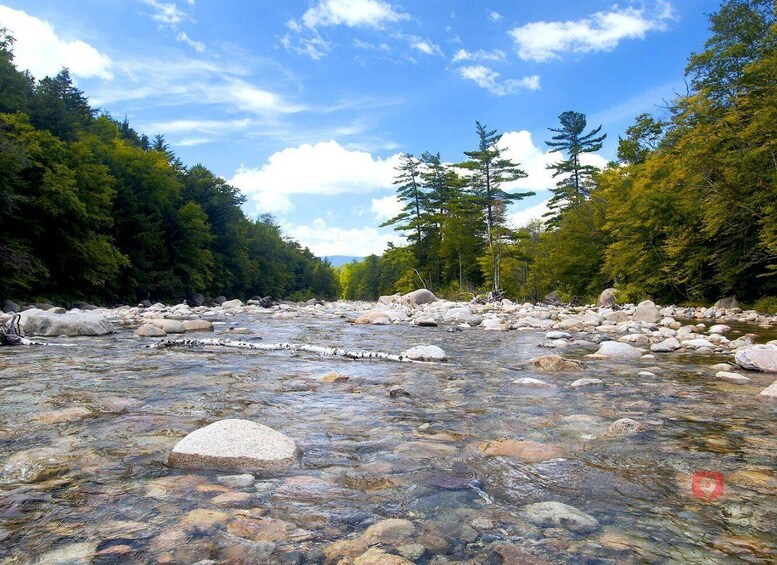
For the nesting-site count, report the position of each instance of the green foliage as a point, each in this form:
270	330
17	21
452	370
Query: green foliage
92	209
766	305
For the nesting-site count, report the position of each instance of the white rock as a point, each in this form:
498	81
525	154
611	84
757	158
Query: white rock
719	329
169	326
770	392
558	515
530	382
558	335
419	297
698	343
150	330
462	315
647	312
235	445
666	346
581	383
758	358
732	377
237	303
617	350
45	323
425	353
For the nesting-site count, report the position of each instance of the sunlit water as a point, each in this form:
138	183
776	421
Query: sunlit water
104	489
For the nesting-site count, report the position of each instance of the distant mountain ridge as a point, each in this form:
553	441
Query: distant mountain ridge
340	260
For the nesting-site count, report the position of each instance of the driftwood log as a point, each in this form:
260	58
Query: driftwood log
11	333
325	351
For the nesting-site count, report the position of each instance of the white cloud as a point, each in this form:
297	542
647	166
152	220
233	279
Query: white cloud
166	13
494	16
519	147
324	168
324	240
602	31
352	13
40	50
386	208
196	45
488	78
315	46
479	55
427	47
523	217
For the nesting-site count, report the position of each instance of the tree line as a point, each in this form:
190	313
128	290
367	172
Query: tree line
91	209
687	213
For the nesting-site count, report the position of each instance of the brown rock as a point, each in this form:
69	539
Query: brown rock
393	531
557	364
525	450
375	556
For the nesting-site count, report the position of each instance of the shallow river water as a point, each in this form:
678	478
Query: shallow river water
85	432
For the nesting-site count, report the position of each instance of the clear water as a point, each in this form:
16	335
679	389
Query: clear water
104	492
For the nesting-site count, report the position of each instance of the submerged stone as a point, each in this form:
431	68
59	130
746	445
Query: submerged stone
559	515
235	445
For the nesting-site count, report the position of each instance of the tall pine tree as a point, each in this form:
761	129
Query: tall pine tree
575	184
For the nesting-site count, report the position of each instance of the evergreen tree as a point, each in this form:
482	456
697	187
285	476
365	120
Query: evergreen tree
575	184
489	172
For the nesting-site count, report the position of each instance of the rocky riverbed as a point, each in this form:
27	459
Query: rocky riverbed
549	434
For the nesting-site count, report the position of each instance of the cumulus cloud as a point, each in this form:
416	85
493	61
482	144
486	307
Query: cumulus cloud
488	78
519	147
386	208
496	55
351	13
324	240
602	31
524	217
40	50
324	168
494	16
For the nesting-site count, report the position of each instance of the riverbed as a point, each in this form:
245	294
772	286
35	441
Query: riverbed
86	430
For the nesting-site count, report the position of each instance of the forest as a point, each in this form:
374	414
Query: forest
687	213
92	210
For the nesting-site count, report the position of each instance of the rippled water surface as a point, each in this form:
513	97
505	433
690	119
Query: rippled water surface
85	432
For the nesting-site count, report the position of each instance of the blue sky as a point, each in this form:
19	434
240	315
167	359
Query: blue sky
305	105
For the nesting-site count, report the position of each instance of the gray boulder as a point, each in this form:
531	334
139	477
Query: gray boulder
727	303
235	445
425	353
607	298
168	326
419	297
10	306
667	346
197	299
617	350
552	298
647	312
149	330
462	315
39	322
758	358
220	300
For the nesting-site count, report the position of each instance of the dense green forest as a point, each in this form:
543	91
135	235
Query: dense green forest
688	213
90	209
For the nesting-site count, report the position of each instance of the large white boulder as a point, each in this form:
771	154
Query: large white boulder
235	445
647	312
419	297
462	315
617	350
758	358
607	298
425	353
236	303
45	323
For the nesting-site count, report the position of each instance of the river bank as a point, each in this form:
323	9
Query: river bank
489	456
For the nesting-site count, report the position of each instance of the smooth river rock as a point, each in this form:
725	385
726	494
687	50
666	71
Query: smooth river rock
556	364
45	323
647	312
425	353
150	330
559	515
419	297
758	358
618	350
607	298
235	445
770	392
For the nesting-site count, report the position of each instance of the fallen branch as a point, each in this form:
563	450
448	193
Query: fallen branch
12	334
326	351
